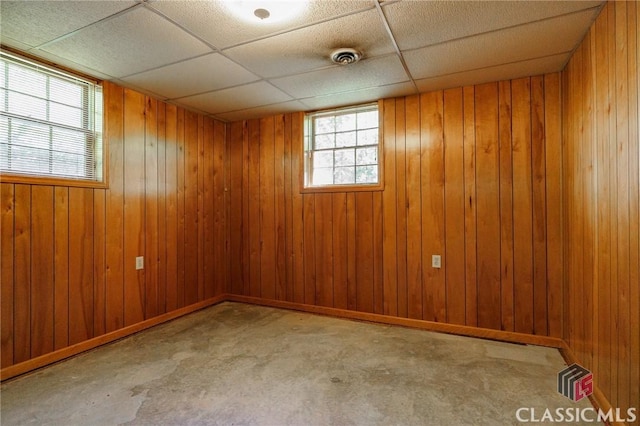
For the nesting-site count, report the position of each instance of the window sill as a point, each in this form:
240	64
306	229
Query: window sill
51	181
343	188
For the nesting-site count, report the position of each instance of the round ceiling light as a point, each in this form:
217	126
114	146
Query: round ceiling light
266	11
345	56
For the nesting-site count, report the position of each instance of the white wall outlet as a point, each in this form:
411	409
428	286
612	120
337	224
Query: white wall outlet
139	262
436	261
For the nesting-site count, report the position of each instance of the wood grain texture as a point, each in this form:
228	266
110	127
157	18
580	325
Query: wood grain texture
73	249
600	193
458	162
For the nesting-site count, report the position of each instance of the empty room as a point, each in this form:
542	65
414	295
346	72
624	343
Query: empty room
319	212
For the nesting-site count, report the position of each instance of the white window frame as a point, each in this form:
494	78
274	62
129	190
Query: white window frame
91	111
310	147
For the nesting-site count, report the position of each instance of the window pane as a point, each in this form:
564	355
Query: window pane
322	176
28	159
65	92
324	141
65	140
367	156
3	100
63	114
344	175
27	81
27	106
345	157
345	122
368	137
366	174
68	164
346	139
24	133
368	120
323	159
325	125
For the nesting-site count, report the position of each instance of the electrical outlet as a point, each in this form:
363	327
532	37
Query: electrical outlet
139	262
436	261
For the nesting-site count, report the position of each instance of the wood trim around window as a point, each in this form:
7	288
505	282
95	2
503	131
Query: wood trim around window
346	188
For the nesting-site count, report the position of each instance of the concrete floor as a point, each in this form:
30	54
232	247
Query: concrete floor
237	364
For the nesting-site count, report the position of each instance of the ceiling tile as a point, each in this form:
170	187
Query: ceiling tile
421	23
359	96
132	42
55	59
497	73
36	22
213	22
263	111
236	98
309	48
198	75
551	36
368	73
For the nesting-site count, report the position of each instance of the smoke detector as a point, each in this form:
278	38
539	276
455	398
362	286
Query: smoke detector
345	56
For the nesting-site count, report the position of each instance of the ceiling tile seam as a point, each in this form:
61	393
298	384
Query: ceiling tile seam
586	32
300	27
494	66
499	29
268	80
71	65
152	9
385	23
254	107
168	64
364	89
74	32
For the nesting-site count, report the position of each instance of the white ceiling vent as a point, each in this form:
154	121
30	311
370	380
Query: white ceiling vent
345	56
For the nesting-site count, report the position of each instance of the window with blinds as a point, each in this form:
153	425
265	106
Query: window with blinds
50	121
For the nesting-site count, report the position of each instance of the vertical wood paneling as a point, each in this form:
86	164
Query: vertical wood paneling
324	249
454	206
523	204
22	274
432	204
151	207
413	208
364	251
236	222
401	205
266	207
172	202
134	178
6	273
99	262
470	213
81	295
253	207
601	190
488	205
389	243
279	210
61	273
191	238
42	285
506	206
68	253
339	251
114	131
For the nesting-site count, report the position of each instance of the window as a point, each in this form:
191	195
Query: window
342	149
50	122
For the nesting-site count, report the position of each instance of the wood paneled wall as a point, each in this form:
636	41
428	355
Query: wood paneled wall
472	174
68	254
602	192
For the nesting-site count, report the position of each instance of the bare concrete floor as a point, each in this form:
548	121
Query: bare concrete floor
236	364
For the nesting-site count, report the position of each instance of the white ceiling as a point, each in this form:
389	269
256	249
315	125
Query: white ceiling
198	55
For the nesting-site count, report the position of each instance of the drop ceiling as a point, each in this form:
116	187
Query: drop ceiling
198	55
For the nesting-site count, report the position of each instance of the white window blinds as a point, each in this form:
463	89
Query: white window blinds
50	121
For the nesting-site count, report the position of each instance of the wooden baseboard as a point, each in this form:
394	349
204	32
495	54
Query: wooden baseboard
597	398
463	330
56	356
